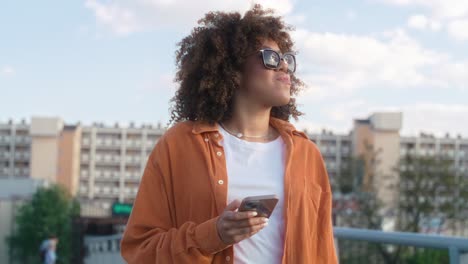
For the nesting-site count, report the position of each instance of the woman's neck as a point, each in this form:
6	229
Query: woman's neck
252	122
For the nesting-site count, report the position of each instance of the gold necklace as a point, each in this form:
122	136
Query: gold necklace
240	135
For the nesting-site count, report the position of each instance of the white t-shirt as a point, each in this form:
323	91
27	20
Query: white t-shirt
253	169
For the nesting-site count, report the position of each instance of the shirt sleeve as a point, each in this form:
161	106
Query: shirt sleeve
151	235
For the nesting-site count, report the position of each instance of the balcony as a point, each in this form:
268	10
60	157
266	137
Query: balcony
108	159
132	177
5	156
135	160
345	151
22	156
107	175
134	144
150	144
22	140
4	171
130	192
104	192
84	174
20	171
85	158
83	190
108	143
5	140
85	142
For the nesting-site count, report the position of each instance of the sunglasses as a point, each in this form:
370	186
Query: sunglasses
272	59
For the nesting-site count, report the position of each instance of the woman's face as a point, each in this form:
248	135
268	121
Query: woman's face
269	87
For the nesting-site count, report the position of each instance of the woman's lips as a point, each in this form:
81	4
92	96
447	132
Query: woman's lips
284	79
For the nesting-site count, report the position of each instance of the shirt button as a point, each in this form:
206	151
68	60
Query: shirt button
219	153
206	139
220	182
228	258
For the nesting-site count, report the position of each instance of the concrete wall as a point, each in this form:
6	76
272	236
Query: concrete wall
381	131
44	158
69	159
388	145
8	210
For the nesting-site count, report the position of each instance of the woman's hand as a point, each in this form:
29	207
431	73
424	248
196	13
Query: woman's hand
236	226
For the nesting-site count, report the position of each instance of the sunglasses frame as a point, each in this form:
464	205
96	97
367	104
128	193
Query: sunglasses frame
281	58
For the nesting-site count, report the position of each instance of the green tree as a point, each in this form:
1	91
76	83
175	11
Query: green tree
355	183
50	211
429	190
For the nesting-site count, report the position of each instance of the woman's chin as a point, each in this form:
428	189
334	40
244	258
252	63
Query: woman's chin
281	101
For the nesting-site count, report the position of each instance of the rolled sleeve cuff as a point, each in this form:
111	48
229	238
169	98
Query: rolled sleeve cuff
207	237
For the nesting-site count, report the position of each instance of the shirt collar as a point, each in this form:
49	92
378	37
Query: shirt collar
281	125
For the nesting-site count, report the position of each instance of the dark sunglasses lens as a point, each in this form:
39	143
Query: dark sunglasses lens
291	61
271	59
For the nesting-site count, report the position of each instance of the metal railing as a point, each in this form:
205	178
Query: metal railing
103	249
106	249
456	246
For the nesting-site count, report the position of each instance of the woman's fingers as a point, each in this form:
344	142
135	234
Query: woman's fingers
234	227
249	222
237	216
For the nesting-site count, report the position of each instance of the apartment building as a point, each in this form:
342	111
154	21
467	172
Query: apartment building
336	151
112	161
454	148
102	164
98	164
15	149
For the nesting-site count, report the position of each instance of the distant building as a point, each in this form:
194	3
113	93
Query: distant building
15	150
112	163
102	164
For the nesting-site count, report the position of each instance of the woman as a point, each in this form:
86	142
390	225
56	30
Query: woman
232	139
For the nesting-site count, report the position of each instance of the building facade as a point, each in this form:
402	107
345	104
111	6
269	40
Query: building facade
15	150
101	165
112	161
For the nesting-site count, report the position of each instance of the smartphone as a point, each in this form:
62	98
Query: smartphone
263	205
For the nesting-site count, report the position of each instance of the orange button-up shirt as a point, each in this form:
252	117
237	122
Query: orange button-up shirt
184	190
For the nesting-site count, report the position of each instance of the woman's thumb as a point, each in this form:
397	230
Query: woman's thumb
233	205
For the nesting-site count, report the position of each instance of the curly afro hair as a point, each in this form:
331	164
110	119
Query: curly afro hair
209	59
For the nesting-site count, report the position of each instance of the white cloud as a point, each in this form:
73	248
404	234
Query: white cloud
435	118
118	16
126	17
418	22
334	65
435	25
7	70
445	9
459	29
452	14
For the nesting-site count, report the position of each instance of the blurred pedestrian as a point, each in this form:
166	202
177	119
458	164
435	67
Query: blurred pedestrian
48	250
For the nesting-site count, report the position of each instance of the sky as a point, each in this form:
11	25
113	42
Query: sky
114	61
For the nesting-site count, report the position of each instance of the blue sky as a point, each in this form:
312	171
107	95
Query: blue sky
113	61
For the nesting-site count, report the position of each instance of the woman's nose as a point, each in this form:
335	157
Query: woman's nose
283	66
